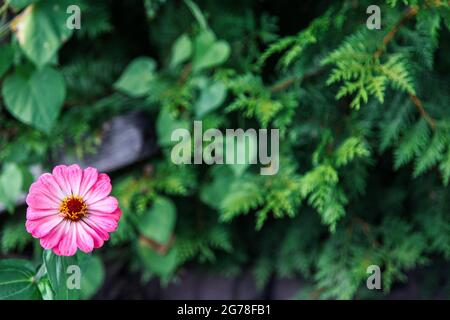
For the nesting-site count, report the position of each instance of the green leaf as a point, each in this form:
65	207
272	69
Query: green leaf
92	276
351	148
35	99
158	223
197	13
14	237
243	195
249	145
20	4
214	192
56	267
161	265
209	52
6	58
181	51
42	30
211	97
10	185
137	78
17	280
166	123
45	288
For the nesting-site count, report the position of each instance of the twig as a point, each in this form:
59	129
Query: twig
409	13
280	86
185	72
418	103
158	247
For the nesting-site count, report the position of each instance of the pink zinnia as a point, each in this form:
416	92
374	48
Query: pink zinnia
71	208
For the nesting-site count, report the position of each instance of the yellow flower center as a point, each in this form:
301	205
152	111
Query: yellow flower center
73	208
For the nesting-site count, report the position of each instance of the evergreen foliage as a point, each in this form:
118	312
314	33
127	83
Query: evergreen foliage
364	123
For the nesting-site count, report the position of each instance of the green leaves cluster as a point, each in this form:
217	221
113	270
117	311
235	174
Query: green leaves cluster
35	94
364	136
21	280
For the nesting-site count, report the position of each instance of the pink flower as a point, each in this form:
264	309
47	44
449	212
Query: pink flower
71	208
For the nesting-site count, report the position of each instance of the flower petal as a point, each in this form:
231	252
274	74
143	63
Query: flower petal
74	174
35	214
106	205
90	176
84	239
96	237
52	239
40	201
113	215
105	223
50	183
68	244
41	227
60	175
100	190
104	235
40	189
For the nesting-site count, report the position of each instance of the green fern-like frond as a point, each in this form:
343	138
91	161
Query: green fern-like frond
253	99
395	120
362	74
350	149
244	195
282	196
320	186
432	154
414	141
293	46
396	72
14	237
173	179
204	244
444	167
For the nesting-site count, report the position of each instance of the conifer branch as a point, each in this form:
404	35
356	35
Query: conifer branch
284	84
409	13
423	113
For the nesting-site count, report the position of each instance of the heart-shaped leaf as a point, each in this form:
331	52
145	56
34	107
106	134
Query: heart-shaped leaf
181	51
17	280
35	98
209	52
137	78
158	223
92	276
6	58
41	29
11	181
216	190
211	97
166	123
160	264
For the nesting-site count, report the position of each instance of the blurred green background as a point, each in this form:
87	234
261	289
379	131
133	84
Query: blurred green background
364	122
